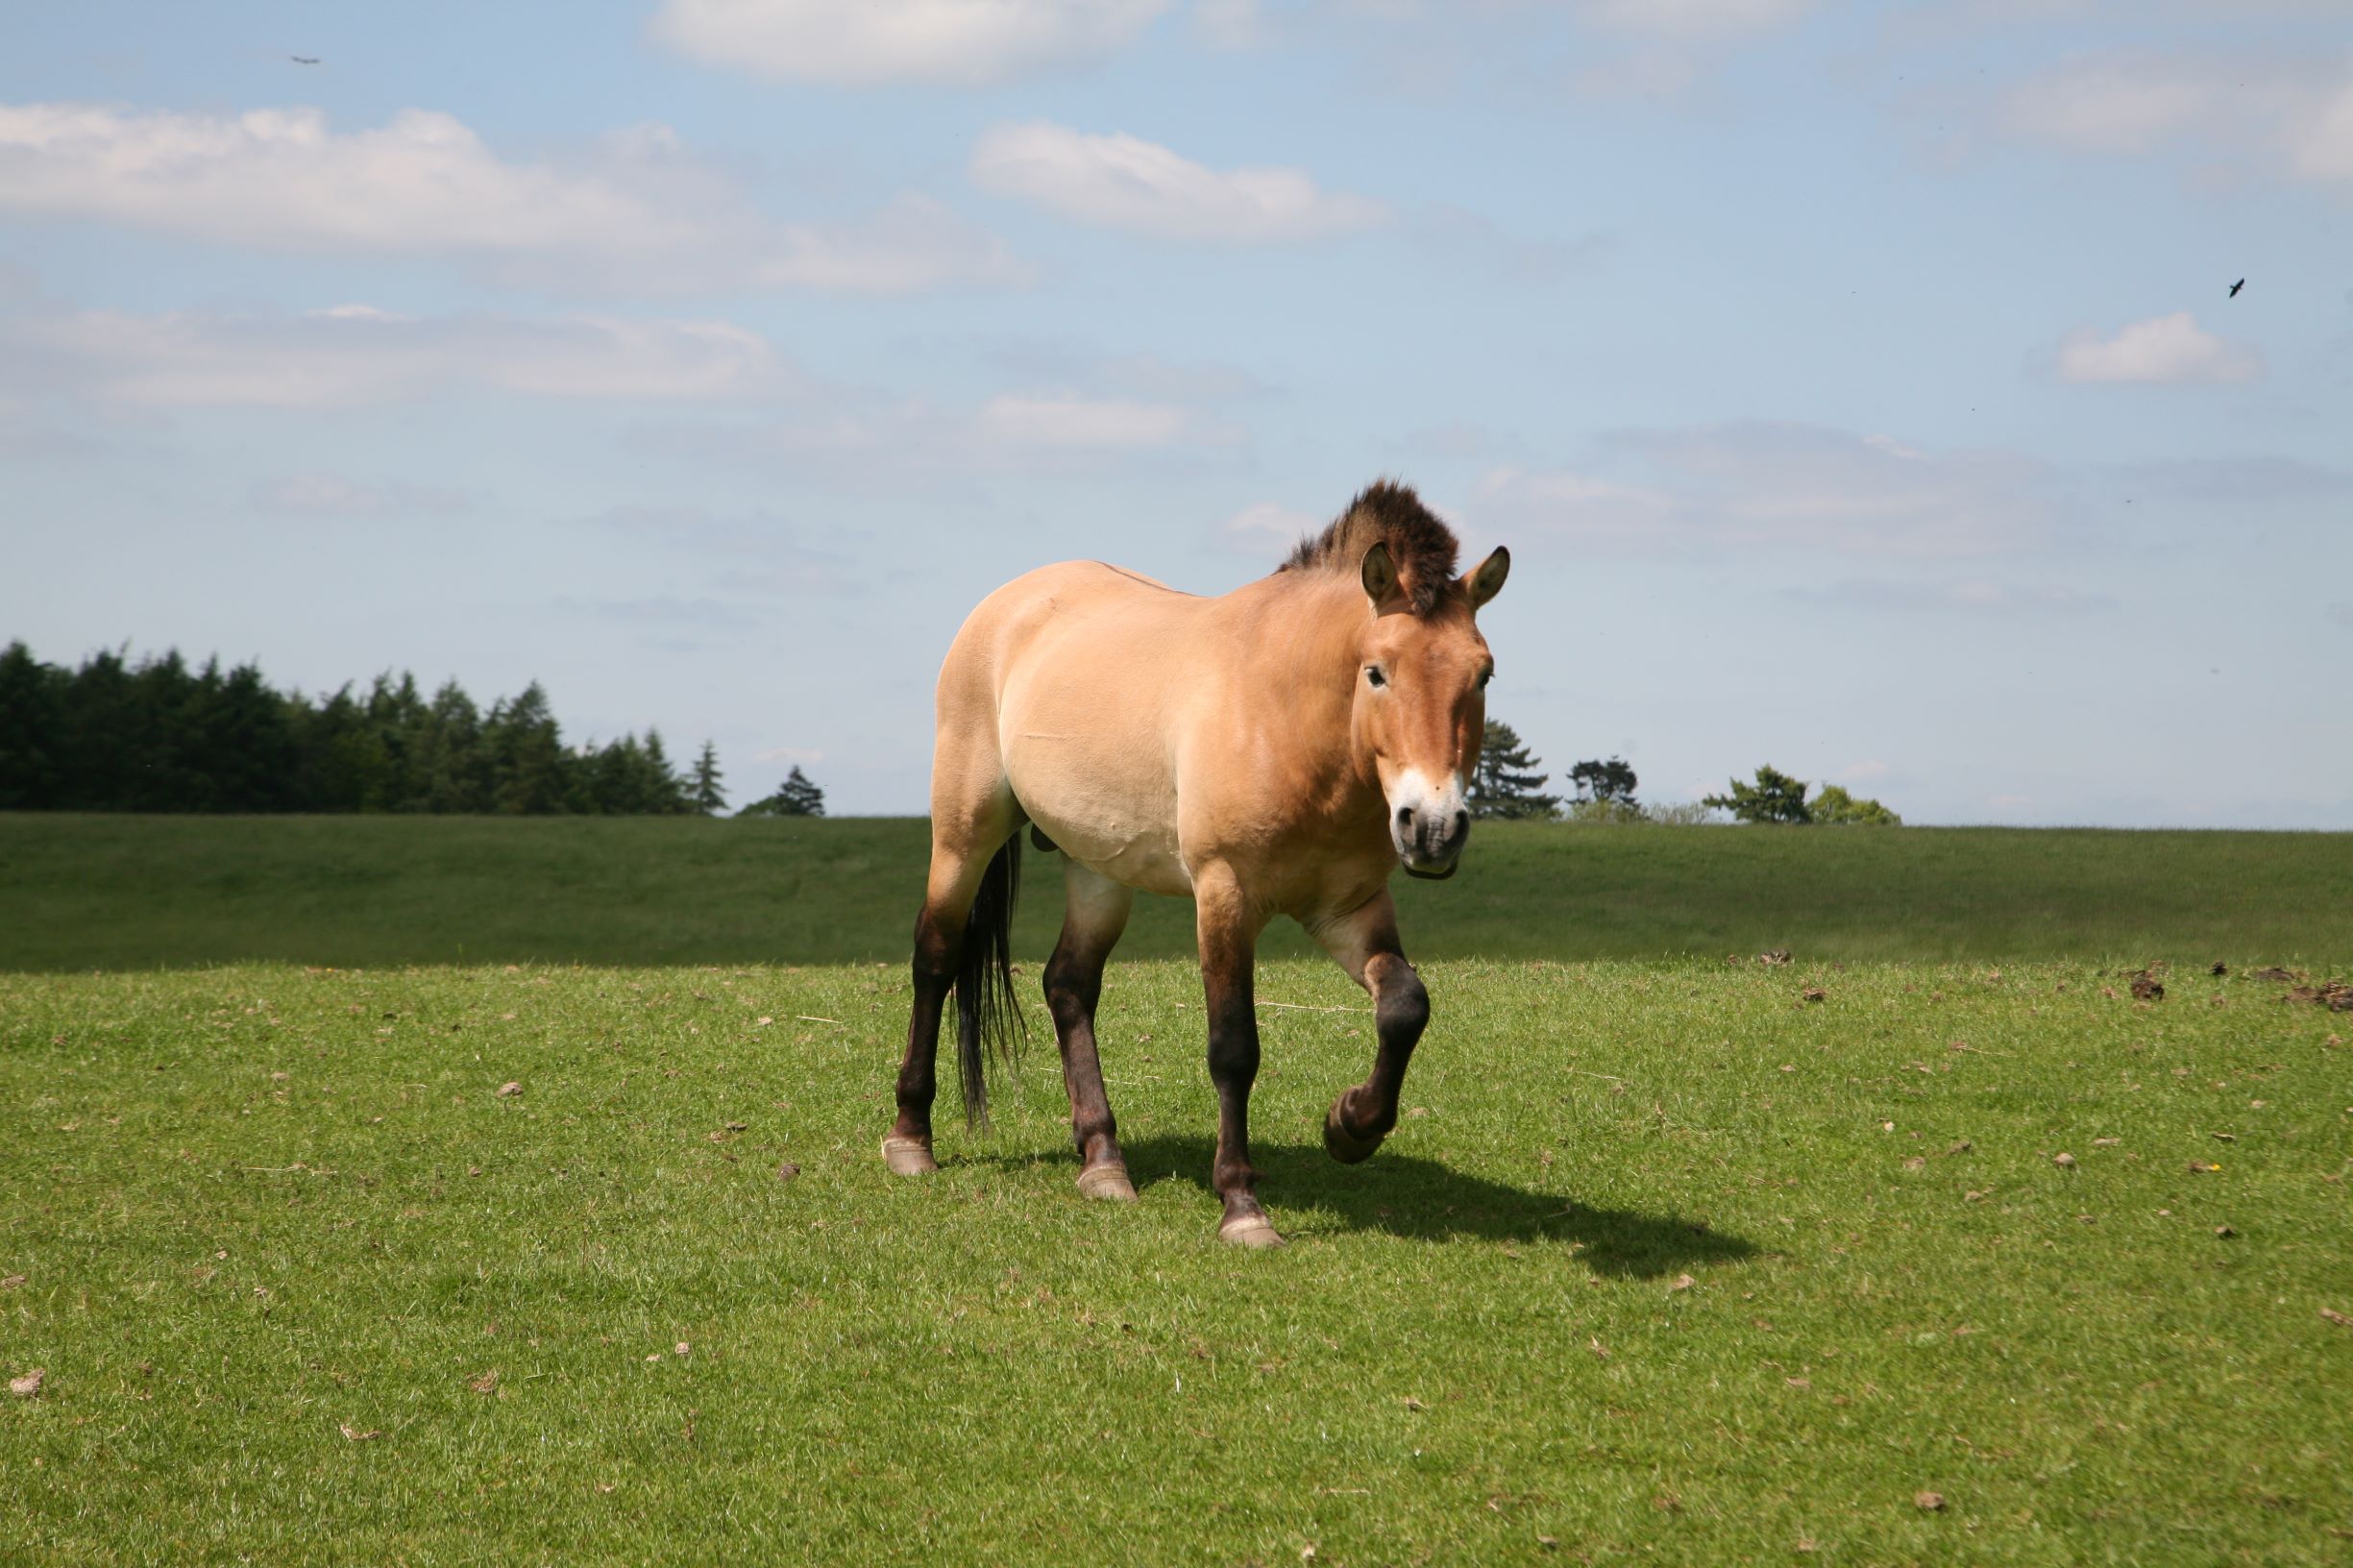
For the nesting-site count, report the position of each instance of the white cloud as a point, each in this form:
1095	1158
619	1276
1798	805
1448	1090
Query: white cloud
1120	182
2282	115
2166	348
640	213
964	43
1059	420
330	496
281	177
354	354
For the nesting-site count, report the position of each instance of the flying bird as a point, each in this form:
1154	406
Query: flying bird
2236	287
314	60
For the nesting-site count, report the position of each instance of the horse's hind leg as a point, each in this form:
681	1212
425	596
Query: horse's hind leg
1364	942
1095	913
972	814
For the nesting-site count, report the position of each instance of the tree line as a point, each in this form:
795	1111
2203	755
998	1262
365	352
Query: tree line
1508	784
162	735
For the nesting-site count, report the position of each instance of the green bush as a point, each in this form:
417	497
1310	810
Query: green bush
1834	807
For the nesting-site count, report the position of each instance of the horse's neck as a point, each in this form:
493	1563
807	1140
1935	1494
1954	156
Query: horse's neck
1301	664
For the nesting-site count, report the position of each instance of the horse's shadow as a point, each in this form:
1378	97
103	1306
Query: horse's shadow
1401	1194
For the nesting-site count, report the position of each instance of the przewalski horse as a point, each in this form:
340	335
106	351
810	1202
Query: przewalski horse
1274	751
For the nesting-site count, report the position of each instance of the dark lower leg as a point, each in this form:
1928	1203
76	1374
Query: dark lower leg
1073	984
1364	1115
936	951
1234	1066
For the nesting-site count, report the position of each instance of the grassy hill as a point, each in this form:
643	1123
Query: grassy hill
124	892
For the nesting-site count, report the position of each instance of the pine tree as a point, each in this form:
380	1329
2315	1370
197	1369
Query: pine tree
244	744
1612	781
344	767
1505	783
1775	797
396	713
702	789
31	731
664	792
799	798
528	761
450	768
802	797
104	718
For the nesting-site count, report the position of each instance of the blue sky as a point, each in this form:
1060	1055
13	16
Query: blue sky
1854	384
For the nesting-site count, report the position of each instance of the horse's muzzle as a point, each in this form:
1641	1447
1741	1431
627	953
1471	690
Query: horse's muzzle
1430	843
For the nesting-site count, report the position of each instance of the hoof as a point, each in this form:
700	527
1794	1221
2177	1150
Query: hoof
908	1157
1107	1181
1342	1144
1249	1231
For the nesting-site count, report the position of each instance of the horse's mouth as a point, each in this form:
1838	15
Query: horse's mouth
1452	866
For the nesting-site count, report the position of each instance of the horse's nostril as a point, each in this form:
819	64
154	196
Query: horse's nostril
1405	815
1462	819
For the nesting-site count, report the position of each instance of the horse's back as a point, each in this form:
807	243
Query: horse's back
1100	610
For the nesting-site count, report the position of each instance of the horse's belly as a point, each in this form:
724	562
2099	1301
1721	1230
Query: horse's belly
1122	827
1136	863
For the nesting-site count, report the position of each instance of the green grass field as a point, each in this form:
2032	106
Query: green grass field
1666	1263
115	892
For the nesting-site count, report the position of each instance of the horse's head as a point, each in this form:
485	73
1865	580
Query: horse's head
1421	705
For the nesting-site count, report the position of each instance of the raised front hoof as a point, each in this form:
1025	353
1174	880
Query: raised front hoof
1252	1230
1342	1144
1108	1182
908	1157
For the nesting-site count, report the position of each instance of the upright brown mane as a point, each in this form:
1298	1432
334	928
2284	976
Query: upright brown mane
1391	514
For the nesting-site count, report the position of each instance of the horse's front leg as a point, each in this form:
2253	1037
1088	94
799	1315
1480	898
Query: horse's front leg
1364	942
1229	949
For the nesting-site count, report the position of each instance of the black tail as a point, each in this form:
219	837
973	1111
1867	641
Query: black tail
987	1013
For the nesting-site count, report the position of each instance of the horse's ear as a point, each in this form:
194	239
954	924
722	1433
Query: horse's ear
1486	579
1380	577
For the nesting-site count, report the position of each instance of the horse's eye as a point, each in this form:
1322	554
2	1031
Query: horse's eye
1372	673
1485	675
